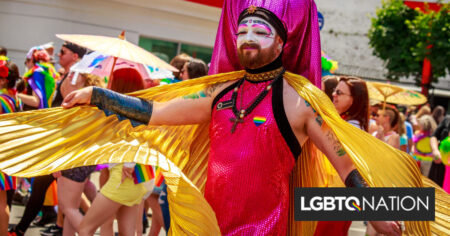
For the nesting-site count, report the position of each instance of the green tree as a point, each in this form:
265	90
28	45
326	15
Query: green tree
400	36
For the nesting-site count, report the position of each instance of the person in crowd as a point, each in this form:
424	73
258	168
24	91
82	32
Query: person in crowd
402	133
192	69
178	62
9	102
39	93
40	78
438	114
437	170
119	195
373	112
68	55
424	110
351	99
421	148
329	83
387	121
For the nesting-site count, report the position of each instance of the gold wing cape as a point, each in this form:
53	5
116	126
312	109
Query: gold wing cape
44	141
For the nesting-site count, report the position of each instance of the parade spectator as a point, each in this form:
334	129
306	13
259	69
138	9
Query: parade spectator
424	110
402	133
193	69
119	195
387	120
9	74
40	78
437	170
421	149
178	62
351	99
329	83
438	114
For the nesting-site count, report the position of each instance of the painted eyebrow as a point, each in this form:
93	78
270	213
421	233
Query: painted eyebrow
242	25
263	27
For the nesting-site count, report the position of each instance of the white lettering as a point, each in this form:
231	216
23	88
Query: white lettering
403	205
369	204
302	205
419	202
319	205
329	204
382	203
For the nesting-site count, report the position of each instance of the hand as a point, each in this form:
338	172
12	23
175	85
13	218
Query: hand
387	227
81	97
437	157
57	174
380	132
127	172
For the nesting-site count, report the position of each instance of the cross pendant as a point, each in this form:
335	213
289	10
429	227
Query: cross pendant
236	120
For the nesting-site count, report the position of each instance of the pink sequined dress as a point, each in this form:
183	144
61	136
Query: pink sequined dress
249	170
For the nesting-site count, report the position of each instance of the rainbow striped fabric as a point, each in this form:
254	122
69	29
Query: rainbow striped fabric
8	103
143	173
159	178
41	79
7	182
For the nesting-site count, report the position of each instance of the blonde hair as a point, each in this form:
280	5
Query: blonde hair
425	110
427	123
92	80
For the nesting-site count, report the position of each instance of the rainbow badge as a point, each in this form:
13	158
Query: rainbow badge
259	120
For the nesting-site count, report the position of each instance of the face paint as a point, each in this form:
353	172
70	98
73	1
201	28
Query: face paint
253	30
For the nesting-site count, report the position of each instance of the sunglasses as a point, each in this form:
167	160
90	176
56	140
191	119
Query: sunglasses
339	92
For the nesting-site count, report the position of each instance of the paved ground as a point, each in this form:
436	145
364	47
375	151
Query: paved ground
357	228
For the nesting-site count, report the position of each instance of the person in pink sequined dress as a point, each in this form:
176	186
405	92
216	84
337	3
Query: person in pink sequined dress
258	125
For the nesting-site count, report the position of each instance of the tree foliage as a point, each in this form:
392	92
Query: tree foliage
400	36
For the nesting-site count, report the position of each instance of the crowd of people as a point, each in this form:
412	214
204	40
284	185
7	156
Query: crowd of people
236	172
42	86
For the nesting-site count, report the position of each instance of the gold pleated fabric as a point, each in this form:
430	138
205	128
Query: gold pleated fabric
44	141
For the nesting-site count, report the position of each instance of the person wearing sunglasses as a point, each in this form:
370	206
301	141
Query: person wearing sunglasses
351	99
344	91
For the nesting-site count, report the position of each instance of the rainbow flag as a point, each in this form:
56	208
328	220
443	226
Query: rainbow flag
159	178
143	173
7	182
41	79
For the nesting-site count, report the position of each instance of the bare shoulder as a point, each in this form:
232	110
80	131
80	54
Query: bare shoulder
298	112
294	104
214	89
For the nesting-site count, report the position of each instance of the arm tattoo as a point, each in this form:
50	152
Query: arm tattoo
337	146
208	92
319	119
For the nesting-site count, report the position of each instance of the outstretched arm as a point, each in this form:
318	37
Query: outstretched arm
192	109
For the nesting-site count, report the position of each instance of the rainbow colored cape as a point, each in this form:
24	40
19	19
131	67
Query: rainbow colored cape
8	103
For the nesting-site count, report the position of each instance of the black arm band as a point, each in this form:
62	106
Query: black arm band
355	180
129	107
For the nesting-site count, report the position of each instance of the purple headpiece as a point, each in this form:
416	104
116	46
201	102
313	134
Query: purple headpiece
301	53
